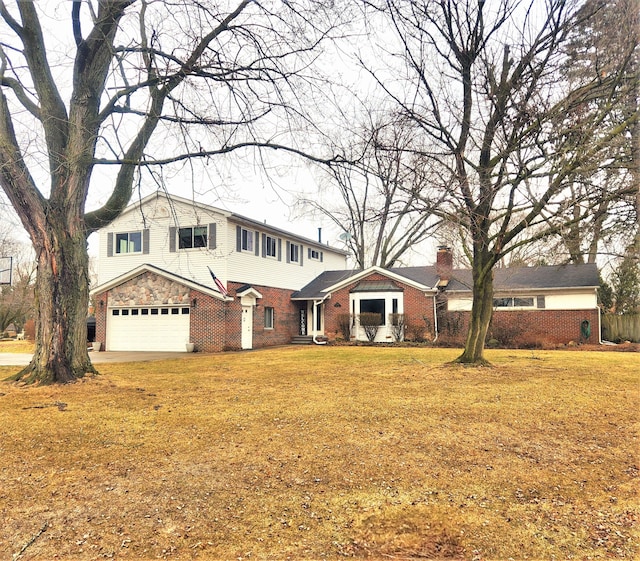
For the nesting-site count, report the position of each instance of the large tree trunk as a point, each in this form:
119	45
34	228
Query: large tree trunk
62	297
481	313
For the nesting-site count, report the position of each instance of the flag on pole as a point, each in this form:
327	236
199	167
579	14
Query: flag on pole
218	282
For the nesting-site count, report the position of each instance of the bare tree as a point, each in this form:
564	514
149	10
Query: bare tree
383	188
483	86
16	299
202	78
604	217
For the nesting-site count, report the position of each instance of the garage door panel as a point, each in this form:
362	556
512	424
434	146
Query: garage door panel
148	329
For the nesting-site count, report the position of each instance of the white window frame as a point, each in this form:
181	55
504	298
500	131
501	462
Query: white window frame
118	240
271	243
247	240
514	302
269	317
205	237
294	254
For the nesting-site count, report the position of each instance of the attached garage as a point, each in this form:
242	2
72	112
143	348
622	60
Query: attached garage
149	309
148	329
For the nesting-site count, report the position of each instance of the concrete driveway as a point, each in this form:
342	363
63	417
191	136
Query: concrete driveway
22	359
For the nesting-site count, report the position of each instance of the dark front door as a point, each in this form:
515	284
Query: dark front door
303	321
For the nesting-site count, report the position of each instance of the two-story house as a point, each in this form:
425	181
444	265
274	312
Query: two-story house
173	271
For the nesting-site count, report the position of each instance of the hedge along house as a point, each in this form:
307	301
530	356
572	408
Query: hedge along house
173	271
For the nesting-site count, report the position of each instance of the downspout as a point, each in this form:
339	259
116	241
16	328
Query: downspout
435	319
316	303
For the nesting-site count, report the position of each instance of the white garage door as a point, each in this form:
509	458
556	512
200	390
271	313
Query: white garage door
148	329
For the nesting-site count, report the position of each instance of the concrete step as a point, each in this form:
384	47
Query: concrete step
302	340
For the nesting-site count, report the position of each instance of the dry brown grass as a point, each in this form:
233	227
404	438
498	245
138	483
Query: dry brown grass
14	346
326	453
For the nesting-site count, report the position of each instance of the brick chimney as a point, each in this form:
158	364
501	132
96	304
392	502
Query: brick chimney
444	263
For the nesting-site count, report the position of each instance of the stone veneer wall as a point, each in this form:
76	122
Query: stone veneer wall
149	289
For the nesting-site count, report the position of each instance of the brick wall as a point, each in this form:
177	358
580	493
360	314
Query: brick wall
418	308
539	328
207	322
102	301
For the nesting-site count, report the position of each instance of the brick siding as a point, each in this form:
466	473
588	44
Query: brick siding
537	328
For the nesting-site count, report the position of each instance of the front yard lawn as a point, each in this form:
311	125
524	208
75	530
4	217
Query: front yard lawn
310	453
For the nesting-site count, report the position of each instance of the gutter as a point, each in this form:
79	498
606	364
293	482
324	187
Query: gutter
435	319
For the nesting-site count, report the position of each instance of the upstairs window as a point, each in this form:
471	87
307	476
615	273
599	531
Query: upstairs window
314	254
246	243
130	242
294	253
271	246
127	243
192	237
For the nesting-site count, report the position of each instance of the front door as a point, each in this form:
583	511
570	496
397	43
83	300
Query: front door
247	327
303	321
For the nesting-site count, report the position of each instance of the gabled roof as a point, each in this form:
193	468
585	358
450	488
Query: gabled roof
531	278
148	268
423	278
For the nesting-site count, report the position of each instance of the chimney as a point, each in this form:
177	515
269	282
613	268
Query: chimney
444	263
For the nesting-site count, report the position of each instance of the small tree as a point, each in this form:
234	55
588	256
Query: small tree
398	325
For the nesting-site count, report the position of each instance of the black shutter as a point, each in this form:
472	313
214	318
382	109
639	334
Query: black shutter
238	239
110	244
264	245
279	249
288	252
172	239
301	253
256	244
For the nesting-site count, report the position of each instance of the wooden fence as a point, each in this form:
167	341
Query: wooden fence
621	328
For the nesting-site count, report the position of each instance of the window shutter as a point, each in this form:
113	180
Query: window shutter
309	252
301	253
172	239
288	252
256	243
279	249
110	244
212	235
264	245
145	241
238	239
